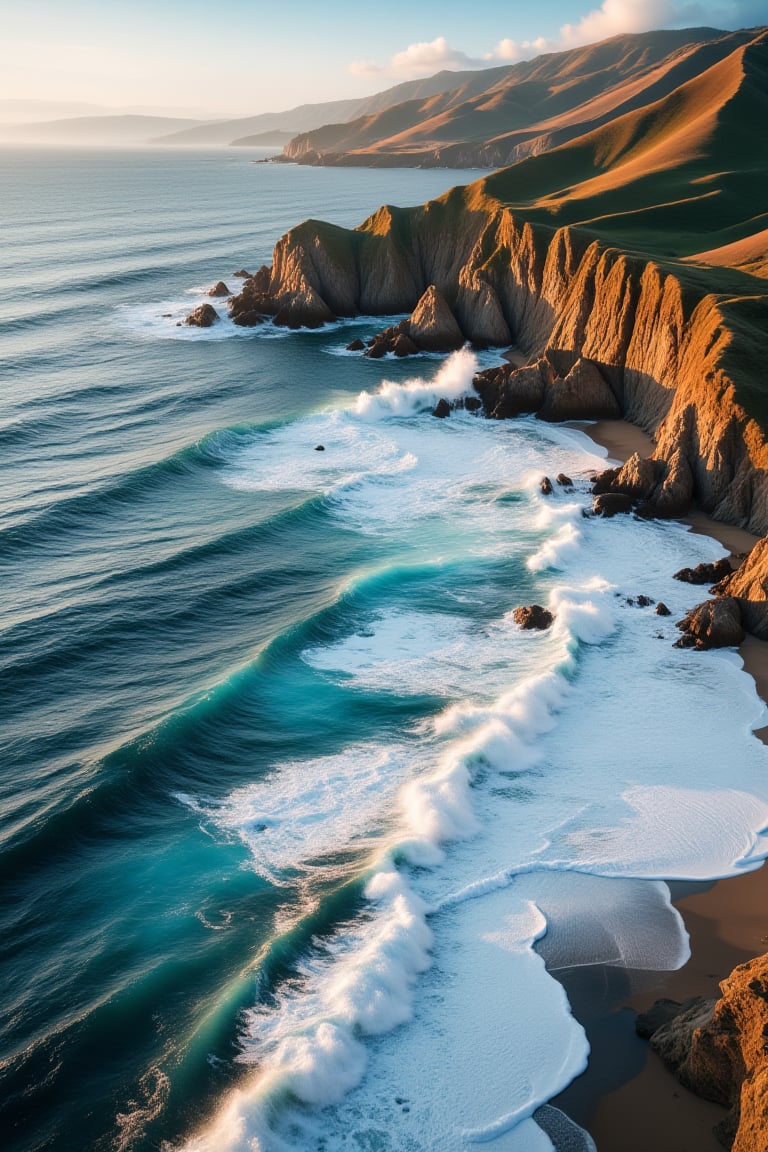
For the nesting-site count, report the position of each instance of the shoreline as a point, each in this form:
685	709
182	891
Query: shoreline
627	1100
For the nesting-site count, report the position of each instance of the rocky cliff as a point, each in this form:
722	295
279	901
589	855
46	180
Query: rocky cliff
719	1049
683	362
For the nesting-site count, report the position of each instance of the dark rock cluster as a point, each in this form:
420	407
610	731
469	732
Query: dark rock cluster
652	488
558	386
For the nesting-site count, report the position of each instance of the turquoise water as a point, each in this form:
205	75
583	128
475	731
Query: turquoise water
140	598
266	722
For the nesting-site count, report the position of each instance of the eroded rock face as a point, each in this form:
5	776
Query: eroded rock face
202	317
749	585
533	617
432	326
713	624
508	391
583	394
718	1049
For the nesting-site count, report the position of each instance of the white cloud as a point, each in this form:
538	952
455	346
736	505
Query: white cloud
616	16
610	19
421	59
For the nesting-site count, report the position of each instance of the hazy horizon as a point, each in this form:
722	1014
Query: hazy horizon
78	59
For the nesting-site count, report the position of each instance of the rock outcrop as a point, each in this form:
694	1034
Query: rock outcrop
202	317
705	573
748	585
532	617
219	289
611	504
583	394
713	624
718	1049
433	326
658	488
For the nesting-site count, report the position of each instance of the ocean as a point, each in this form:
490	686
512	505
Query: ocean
297	826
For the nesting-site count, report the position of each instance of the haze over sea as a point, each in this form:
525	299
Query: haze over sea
287	796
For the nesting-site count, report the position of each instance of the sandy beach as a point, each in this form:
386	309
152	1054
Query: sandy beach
627	1099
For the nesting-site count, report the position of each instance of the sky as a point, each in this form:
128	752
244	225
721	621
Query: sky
242	57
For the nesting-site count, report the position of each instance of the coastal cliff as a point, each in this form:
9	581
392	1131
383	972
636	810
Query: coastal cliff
682	361
717	1048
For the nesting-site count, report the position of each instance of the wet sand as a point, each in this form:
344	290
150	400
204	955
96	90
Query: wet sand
626	1099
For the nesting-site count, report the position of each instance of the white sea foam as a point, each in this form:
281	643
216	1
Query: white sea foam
567	777
452	381
311	807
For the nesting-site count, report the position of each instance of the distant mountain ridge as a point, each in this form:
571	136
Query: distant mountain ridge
505	115
108	130
308	117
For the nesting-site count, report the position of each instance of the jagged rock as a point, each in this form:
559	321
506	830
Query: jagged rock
376	350
713	624
219	289
605	481
717	1049
563	480
704	573
584	394
242	274
749	585
532	616
202	317
441	409
673	495
663	490
611	503
261	281
508	391
662	610
356	346
545	485
403	345
644	601
637	478
480	313
433	327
